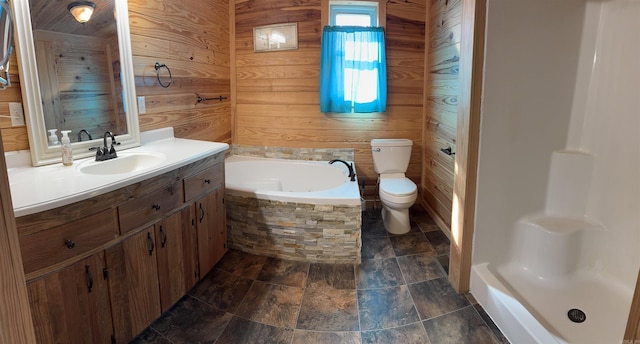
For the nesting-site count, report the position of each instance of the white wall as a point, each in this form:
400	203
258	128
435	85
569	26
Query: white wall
532	50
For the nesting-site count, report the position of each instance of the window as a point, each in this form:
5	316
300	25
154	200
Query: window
353	61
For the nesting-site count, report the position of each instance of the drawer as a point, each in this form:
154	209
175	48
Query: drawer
203	182
57	244
149	207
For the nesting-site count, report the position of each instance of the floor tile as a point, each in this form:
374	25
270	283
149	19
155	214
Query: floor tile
410	244
222	290
464	326
339	276
373	227
420	267
285	272
378	273
436	297
325	308
246	331
271	304
242	264
377	248
311	337
444	262
439	241
191	321
385	308
409	334
150	336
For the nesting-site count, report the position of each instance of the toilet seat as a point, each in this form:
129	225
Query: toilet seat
398	191
398	187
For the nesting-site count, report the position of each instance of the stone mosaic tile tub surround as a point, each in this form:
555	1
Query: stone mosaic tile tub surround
295	231
290	153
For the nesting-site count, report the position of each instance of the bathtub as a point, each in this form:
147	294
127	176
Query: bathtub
291	209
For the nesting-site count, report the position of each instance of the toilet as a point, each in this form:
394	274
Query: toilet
397	192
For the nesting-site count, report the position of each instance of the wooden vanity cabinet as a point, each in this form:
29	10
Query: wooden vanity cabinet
176	240
72	305
136	251
211	227
133	284
206	190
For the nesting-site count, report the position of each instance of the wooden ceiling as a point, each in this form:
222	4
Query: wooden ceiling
52	15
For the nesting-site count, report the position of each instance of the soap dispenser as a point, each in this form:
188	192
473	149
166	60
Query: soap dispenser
67	153
53	137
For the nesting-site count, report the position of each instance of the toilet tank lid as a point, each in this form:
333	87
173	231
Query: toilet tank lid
391	142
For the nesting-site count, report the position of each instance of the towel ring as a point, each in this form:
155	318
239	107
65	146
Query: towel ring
158	66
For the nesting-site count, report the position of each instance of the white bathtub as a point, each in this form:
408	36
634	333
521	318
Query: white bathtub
311	182
290	209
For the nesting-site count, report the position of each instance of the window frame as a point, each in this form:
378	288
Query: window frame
382	10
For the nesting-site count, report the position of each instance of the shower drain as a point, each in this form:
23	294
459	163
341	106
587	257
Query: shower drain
576	315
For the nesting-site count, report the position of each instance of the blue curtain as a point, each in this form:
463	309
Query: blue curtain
353	69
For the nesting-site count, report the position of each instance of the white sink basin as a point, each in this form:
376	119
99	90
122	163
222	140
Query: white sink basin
125	163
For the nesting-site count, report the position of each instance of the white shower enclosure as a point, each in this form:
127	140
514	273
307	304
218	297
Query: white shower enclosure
557	240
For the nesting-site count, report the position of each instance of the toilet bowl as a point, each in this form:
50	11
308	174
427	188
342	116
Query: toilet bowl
397	195
397	192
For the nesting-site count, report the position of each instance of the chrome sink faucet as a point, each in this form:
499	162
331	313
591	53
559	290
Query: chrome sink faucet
352	173
106	153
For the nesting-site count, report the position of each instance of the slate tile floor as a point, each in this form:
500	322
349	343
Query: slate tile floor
399	294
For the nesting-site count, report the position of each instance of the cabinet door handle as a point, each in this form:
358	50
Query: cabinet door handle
89	278
155	207
70	244
163	236
150	243
207	181
201	213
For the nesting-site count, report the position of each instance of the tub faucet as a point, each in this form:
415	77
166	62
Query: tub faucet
106	153
352	173
80	135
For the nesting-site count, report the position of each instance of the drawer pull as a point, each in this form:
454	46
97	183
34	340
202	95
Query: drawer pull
89	278
155	207
150	243
163	236
70	244
207	181
201	213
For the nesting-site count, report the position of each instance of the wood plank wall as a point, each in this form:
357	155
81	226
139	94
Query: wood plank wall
278	94
441	92
192	38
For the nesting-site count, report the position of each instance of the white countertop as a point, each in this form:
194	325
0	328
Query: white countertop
36	189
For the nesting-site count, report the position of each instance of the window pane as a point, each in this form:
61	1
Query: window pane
353	19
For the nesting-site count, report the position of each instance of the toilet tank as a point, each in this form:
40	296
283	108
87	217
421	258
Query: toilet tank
391	155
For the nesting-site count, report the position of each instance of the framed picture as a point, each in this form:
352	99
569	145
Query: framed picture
275	37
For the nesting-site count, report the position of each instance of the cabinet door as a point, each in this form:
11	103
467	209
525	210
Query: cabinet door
176	241
212	234
72	305
133	284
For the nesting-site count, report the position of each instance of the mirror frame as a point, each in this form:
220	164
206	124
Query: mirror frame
41	152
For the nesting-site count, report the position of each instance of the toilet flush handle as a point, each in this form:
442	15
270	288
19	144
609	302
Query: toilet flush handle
377	149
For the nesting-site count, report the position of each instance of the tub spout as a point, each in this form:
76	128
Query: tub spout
352	173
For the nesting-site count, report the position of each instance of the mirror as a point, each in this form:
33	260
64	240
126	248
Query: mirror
76	76
6	42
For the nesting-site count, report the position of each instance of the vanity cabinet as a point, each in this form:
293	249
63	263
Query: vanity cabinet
177	248
72	305
133	283
206	190
103	269
211	227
